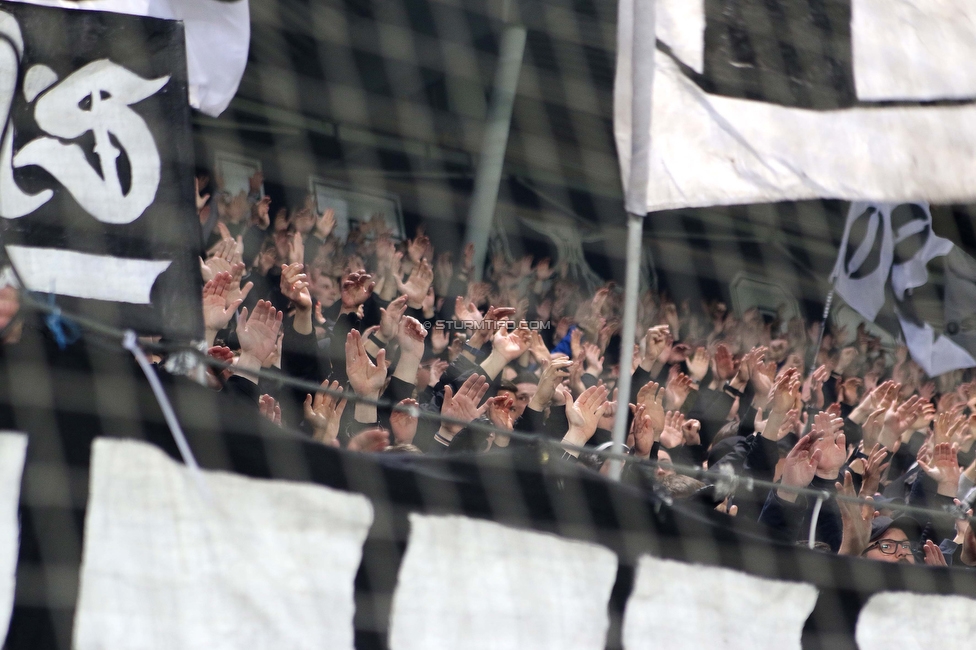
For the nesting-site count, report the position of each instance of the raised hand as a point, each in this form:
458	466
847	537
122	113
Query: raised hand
417	247
294	286
847	357
201	200
698	364
437	369
898	421
268	407
641	432
874	469
365	377
357	287
537	347
830	442
784	396
416	286
323	413
815	398
723	364
943	468
500	411
370	440
594	360
554	372
325	224
652	397
216	311
463	405
672	435
677	389
606	420
390	318
411	337
947	426
494	316
576	344
800	467
466	311
584	414
870	402
655	343
404	423
690	430
855	517
440	338
847	390
258	334
510	345
872	427
261	213
932	554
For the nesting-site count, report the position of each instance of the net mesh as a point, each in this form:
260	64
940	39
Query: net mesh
390	99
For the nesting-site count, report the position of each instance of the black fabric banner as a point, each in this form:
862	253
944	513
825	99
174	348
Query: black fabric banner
96	172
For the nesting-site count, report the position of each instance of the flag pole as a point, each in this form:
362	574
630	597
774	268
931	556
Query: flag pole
823	324
643	48
635	236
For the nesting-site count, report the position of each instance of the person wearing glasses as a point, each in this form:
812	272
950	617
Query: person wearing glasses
896	540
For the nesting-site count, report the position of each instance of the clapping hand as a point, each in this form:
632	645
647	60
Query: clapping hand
404	423
464	404
411	337
269	408
800	467
323	413
365	377
357	287
652	397
416	286
216	311
294	286
258	335
584	414
943	468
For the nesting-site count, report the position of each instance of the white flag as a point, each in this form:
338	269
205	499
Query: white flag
883	272
218	35
759	101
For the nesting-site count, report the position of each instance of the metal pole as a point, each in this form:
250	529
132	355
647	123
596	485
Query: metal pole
481	215
643	48
823	327
635	235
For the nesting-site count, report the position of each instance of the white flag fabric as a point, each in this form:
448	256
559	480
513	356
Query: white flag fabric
218	35
13	450
882	267
685	606
698	148
479	585
261	564
901	619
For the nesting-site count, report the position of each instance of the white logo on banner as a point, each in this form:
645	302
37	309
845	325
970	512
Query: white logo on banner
95	99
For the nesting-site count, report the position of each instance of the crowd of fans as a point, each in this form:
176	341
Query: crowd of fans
398	322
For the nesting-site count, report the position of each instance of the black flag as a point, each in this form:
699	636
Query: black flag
96	189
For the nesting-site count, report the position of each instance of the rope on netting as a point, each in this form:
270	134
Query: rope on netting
130	343
816	518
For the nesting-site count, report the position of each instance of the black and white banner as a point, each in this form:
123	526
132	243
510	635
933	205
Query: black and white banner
757	101
96	190
113	543
218	35
894	270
